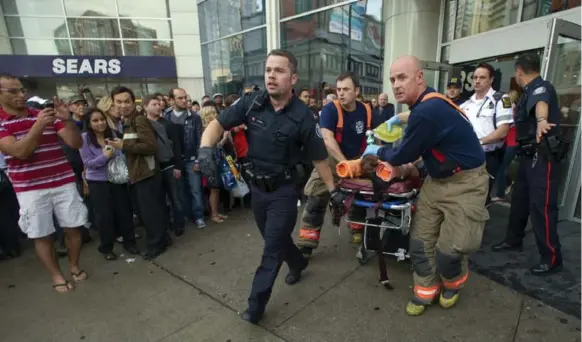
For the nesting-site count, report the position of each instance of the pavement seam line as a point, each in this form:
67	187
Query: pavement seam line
521	304
201	291
321	295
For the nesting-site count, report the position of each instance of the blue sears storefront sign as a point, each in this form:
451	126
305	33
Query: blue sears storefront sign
89	66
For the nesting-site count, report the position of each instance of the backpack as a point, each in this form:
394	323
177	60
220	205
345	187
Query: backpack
165	151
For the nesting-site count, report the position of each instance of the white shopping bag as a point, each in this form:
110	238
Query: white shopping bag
241	190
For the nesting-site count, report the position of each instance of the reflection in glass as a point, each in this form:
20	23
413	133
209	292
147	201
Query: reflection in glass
294	7
93	28
535	8
32	7
145	29
51	47
449	21
477	16
97	47
225	17
28	27
143	8
330	42
577	209
93	8
232	63
148	48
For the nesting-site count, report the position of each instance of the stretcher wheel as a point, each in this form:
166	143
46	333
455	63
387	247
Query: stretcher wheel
363	256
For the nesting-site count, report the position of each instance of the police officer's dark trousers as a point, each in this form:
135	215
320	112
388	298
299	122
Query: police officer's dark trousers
535	195
275	214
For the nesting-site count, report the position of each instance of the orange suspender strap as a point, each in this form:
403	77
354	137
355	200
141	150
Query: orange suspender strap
368	116
436	153
339	127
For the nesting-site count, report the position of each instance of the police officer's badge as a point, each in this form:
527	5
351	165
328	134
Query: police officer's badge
539	90
318	131
491	105
506	101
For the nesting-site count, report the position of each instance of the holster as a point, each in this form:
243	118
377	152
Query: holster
269	183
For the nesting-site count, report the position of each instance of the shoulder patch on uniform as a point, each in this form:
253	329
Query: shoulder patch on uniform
506	101
318	131
539	90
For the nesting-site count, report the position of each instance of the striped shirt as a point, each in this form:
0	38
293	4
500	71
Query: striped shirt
47	167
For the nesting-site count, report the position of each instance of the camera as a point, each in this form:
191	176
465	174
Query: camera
108	148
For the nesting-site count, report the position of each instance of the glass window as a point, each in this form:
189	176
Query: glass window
293	7
40	47
233	63
537	8
28	27
32	7
449	20
343	38
93	28
145	29
148	48
97	47
219	19
477	16
143	8
93	8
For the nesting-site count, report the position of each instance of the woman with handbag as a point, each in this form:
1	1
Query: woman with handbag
106	176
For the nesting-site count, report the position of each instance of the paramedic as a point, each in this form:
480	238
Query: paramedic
279	125
343	123
450	216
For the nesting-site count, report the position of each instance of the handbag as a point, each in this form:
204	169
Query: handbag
117	172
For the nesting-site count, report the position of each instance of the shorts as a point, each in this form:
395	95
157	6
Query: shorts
38	207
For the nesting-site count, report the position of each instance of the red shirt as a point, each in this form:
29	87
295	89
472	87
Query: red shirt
511	136
241	146
47	167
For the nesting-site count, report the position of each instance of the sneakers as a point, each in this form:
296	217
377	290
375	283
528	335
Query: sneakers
200	223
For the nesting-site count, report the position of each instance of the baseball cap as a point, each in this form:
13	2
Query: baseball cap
454	81
217	94
77	98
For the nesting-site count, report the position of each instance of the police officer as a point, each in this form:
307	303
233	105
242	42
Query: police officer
535	193
491	115
450	213
454	90
279	125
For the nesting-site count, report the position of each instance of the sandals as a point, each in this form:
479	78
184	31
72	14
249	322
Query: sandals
217	219
67	285
80	276
224	217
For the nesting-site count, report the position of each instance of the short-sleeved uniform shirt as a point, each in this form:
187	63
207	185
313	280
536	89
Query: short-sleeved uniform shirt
540	90
354	131
435	124
486	114
47	167
275	138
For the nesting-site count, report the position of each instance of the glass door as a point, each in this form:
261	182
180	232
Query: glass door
562	68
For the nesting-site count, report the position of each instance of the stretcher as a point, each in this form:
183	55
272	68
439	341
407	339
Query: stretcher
389	210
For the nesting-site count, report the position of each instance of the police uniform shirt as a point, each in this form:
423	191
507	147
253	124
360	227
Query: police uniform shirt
275	138
436	124
539	90
481	114
354	131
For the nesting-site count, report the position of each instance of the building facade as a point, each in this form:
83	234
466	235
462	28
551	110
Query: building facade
63	45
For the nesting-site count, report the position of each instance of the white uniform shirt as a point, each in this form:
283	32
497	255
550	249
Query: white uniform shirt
480	113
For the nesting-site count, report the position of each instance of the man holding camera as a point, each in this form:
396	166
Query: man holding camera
42	178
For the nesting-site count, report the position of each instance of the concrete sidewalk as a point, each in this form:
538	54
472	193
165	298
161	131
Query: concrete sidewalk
194	290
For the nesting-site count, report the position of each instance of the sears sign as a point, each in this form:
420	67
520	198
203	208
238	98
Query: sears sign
85	66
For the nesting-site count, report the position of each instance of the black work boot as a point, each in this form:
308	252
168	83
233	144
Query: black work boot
250	317
306	252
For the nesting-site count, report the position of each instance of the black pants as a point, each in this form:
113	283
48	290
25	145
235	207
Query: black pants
535	195
275	214
174	188
113	214
9	208
493	162
152	210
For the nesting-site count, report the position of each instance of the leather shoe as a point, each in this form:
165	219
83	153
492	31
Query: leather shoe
542	269
154	253
294	275
131	249
506	246
250	317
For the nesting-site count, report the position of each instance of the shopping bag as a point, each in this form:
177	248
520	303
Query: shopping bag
241	190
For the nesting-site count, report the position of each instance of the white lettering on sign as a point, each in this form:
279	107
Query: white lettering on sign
83	66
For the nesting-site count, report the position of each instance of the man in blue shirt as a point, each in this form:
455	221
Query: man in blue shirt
343	124
450	216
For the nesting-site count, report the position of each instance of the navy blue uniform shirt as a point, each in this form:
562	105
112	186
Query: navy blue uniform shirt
436	124
275	138
354	131
540	90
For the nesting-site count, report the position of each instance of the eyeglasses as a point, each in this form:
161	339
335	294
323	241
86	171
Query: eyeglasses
14	91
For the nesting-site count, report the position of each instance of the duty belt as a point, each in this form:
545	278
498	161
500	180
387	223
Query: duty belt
269	183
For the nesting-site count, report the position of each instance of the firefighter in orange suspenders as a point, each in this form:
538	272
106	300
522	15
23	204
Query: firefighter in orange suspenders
450	213
343	125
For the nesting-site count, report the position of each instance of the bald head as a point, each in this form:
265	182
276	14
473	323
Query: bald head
383	100
407	79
